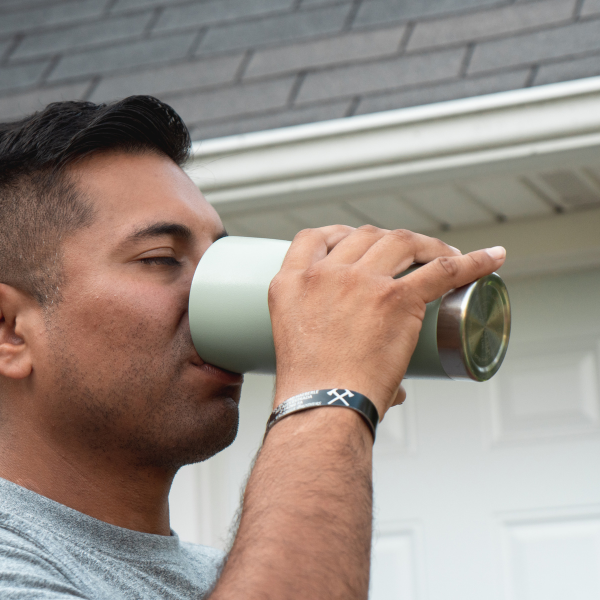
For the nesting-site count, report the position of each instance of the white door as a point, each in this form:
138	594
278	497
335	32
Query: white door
483	491
492	491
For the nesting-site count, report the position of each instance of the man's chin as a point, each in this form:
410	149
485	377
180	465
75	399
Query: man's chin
189	442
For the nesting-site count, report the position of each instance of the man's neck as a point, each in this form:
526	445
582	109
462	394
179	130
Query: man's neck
99	485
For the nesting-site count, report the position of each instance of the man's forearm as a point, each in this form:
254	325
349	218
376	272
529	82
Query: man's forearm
305	529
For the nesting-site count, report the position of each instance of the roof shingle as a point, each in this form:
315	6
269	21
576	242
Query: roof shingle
233	66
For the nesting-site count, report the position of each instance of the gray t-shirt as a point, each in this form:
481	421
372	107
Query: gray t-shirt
51	552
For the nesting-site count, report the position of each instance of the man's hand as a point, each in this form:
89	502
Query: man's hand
340	319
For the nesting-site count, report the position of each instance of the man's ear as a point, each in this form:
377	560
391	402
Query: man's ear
17	323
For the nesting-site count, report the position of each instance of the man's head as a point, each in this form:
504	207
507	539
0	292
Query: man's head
39	202
101	232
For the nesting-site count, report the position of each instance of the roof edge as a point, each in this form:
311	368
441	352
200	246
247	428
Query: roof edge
384	119
447	139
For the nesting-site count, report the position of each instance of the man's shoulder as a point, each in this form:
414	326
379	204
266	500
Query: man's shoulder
28	567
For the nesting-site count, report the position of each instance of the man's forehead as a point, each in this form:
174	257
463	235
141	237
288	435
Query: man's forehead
137	176
132	192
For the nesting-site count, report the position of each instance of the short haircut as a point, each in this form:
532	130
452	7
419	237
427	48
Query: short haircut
40	205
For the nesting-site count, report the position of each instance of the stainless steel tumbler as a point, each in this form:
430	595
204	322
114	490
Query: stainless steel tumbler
464	335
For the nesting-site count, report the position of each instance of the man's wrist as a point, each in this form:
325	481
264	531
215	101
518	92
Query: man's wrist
381	400
327	427
327	398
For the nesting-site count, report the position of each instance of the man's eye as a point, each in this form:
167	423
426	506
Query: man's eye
161	260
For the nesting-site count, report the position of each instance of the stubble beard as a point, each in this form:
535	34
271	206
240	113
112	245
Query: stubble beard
145	413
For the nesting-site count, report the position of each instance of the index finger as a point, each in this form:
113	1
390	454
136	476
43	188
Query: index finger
446	273
312	245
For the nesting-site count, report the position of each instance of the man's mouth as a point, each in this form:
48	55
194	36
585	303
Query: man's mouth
227	377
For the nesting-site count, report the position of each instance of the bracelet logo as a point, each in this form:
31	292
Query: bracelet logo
340	397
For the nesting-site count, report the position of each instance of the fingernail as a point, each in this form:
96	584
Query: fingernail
497	252
456	250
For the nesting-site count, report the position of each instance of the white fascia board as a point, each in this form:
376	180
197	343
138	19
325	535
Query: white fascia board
524	127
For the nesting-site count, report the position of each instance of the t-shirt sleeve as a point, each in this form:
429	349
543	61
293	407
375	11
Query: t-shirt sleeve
25	575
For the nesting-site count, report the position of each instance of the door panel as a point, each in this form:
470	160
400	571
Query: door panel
553	556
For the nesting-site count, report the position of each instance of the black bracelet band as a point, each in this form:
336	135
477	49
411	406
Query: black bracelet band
335	397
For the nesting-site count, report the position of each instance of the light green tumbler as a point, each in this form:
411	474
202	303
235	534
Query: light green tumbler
464	335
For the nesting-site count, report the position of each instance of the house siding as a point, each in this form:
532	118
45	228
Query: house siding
235	66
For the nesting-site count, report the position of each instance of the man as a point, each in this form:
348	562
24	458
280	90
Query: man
103	397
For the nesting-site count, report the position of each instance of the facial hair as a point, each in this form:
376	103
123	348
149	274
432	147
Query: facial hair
141	405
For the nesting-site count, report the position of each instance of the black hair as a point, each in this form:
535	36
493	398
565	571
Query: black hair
40	205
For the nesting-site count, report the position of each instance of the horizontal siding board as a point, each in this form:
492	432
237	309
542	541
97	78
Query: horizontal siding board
46	16
180	77
4	46
590	8
81	36
128	5
534	47
114	58
335	50
377	12
18	105
484	24
381	75
312	3
568	69
215	11
272	119
460	88
236	100
24	75
285	28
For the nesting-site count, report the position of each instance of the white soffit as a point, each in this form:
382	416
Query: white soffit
458	163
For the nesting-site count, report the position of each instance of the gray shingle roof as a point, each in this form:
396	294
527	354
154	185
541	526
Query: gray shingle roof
233	66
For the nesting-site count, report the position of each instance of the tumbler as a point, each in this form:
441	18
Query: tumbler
464	335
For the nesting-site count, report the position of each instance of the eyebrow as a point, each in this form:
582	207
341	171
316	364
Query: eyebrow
175	230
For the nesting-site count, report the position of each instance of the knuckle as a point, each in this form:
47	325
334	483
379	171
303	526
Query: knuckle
476	261
274	289
449	265
313	274
402	235
278	282
387	289
413	303
339	229
304	233
370	229
410	301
